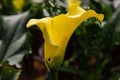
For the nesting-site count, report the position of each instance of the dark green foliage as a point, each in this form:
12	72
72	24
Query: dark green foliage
9	73
14	35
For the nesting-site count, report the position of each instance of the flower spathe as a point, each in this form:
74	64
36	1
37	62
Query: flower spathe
58	30
18	4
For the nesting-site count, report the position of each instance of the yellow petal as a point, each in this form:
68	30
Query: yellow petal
41	23
18	4
74	8
71	2
58	30
64	25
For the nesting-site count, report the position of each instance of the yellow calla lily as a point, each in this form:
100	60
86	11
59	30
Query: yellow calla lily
18	4
58	30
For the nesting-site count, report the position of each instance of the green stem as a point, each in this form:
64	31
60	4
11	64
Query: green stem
53	75
98	73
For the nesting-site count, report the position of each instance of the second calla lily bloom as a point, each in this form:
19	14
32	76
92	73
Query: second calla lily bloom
18	4
58	30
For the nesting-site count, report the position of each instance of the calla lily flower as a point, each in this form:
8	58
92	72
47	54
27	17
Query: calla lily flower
58	30
18	4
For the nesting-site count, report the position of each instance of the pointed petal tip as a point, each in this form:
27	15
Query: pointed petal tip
31	22
71	2
92	13
101	17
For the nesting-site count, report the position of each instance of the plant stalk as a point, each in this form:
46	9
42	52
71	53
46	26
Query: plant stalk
53	75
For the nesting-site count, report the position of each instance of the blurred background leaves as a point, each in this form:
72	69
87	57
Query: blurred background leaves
93	52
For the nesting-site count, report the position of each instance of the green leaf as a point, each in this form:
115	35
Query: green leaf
112	29
115	74
9	73
72	70
7	7
14	37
